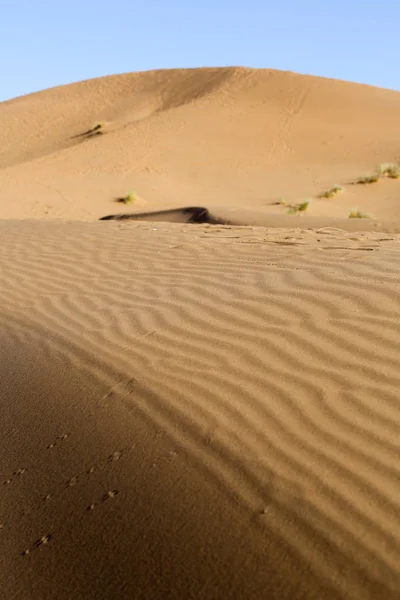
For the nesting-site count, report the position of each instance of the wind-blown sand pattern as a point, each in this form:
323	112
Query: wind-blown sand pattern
194	410
236	387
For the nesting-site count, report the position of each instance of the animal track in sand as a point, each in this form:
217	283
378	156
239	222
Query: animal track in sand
125	387
43	541
59	438
107	496
73	481
76	480
15	475
115	456
164	459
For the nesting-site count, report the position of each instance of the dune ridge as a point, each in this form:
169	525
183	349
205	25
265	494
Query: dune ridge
231	137
218	215
220	367
187	214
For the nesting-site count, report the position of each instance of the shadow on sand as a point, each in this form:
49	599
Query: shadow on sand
189	214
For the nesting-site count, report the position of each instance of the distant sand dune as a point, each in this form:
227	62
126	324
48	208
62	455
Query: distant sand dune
231	137
211	419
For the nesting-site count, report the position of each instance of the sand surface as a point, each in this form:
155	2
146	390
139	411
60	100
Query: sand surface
230	137
196	410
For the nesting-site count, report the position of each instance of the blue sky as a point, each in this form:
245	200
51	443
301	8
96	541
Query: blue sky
45	43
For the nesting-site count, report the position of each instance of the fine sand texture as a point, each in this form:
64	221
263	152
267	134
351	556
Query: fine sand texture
230	137
199	379
198	411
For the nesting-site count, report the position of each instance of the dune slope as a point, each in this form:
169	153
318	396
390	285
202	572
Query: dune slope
196	411
199	401
198	137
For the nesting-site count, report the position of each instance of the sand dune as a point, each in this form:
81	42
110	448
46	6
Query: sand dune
199	392
237	387
198	137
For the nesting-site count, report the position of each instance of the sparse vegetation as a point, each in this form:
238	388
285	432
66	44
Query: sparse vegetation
332	192
280	202
299	208
369	179
128	199
356	214
389	170
97	129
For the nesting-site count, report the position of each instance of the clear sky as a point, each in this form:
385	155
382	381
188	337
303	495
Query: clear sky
44	43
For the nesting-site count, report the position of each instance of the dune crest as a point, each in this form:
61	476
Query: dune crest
198	137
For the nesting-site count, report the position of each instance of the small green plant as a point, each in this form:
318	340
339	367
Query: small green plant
128	199
332	192
389	170
280	202
299	208
356	214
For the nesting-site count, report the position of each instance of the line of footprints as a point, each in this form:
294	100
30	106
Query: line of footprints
44	540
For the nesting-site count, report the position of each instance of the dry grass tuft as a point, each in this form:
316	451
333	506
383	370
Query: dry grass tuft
356	214
389	170
332	192
299	208
369	179
128	199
